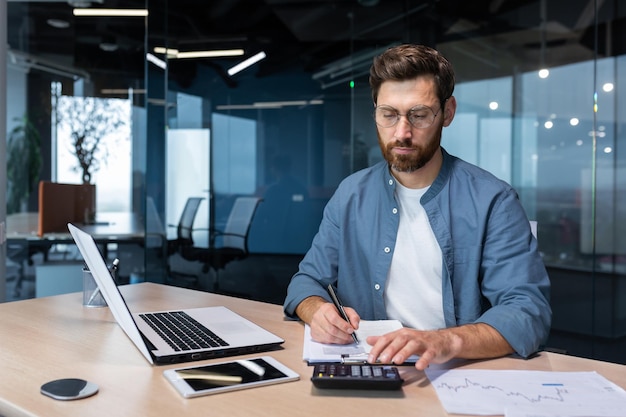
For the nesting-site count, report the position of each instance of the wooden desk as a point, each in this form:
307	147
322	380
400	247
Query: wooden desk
108	225
87	343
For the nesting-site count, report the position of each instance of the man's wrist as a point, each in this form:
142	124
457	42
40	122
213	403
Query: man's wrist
307	307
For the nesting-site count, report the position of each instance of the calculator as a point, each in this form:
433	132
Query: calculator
353	376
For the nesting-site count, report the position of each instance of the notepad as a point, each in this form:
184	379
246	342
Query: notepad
315	352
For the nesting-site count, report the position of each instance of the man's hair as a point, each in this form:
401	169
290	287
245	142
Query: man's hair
406	62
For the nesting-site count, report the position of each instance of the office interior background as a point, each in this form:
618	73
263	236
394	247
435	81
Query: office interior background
540	88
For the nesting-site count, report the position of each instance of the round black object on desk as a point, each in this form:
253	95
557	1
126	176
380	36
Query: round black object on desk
69	389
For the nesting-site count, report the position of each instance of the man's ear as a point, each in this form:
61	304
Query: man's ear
449	110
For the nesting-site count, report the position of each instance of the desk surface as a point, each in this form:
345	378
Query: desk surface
108	225
87	343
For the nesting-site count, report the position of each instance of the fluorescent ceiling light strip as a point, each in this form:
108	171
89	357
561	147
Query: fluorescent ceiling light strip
175	53
111	12
166	51
353	68
122	91
245	64
235	107
156	61
343	80
348	62
269	105
280	103
209	54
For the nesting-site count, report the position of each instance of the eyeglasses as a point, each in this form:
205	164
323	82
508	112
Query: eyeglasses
419	117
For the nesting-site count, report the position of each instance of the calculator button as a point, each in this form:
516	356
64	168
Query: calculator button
356	376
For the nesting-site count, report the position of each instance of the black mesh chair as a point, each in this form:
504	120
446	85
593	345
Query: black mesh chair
183	244
225	245
231	243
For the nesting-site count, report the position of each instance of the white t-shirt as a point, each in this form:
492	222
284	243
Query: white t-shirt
413	293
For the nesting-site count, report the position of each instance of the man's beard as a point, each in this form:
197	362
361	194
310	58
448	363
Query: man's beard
413	161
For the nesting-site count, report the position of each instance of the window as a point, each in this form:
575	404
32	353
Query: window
93	145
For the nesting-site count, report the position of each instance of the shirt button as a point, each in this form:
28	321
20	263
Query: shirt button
377	287
394	211
390	182
387	249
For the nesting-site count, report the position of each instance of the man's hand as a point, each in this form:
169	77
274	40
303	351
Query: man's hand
327	325
472	341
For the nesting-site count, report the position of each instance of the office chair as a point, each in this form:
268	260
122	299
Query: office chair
231	243
183	243
21	252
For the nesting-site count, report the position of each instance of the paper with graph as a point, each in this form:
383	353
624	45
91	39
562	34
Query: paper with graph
527	393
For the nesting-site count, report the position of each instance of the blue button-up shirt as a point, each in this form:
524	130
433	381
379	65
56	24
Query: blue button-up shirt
492	271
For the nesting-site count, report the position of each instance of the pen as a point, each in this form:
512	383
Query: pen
114	268
340	308
359	358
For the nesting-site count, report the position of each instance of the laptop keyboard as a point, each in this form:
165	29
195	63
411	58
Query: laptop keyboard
181	331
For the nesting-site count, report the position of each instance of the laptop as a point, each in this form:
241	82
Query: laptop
222	331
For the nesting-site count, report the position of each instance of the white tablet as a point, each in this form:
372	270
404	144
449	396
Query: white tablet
232	375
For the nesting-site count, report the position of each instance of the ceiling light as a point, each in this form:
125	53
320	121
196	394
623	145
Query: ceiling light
245	64
108	47
23	60
109	44
156	61
262	104
216	53
79	3
118	91
209	54
270	104
608	87
83	3
111	12
58	23
170	52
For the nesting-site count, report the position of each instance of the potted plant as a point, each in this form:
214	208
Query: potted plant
89	120
23	164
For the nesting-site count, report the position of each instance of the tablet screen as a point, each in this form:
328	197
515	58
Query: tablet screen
229	373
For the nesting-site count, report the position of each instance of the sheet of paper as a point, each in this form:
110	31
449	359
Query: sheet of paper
527	393
320	352
555	411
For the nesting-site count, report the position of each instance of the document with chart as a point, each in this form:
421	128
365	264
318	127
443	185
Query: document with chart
527	393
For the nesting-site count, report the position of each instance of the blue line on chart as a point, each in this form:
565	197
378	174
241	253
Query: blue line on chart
558	394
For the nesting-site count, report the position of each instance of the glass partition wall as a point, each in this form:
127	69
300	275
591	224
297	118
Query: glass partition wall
75	115
539	105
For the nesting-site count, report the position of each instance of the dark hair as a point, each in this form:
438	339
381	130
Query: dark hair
405	62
